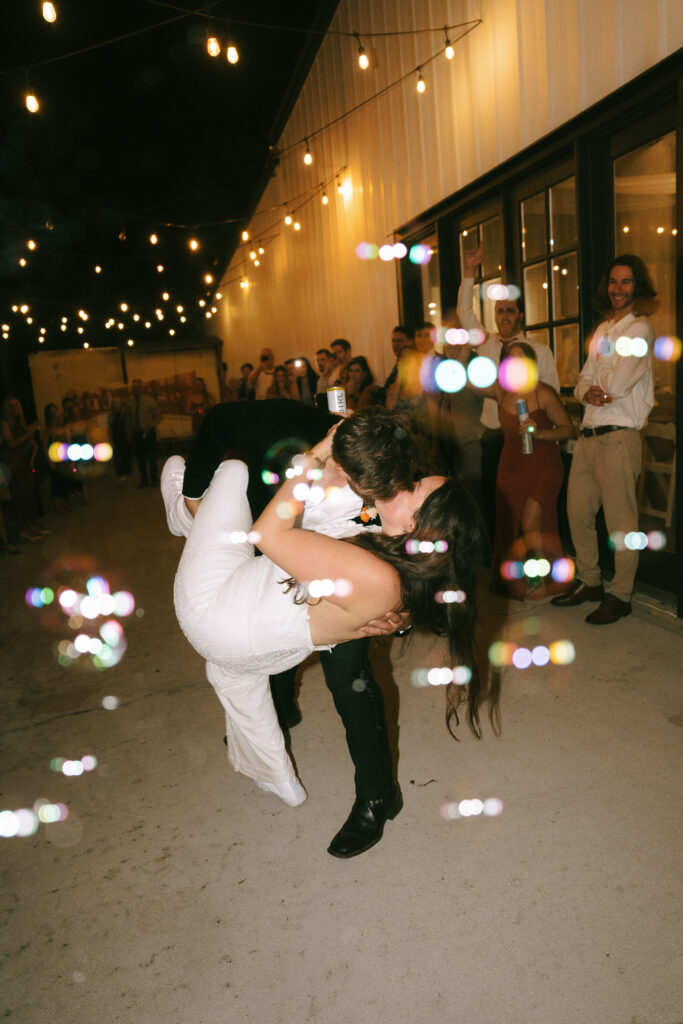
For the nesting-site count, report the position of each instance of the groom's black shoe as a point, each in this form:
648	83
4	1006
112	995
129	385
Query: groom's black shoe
365	825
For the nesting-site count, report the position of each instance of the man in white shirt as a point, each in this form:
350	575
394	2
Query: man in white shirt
616	386
262	377
509	316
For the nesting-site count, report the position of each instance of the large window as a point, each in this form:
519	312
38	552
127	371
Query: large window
550	282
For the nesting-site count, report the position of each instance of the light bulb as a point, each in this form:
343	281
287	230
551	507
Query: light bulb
232	54
98	269
308	156
363	60
22	262
219	295
165	296
297	226
257	263
123	307
449	51
32	103
160	268
179	309
261	250
171	331
421	84
208	279
340	188
213	47
49	12
288	219
325	200
86	345
153	239
130	342
193	244
31	244
252	255
245	236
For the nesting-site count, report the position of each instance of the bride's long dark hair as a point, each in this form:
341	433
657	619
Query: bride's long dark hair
438	586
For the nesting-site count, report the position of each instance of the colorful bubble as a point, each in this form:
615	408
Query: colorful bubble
124	603
400	250
477	336
456	336
110	703
439	676
321	588
521	657
562	652
482	372
626	346
604	346
668	349
493	807
512	570
563	570
497	292
103	452
462	674
270	478
656	540
518	374
540	655
420	254
386	253
450	376
501	652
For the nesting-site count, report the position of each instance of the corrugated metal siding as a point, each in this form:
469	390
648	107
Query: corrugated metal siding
530	66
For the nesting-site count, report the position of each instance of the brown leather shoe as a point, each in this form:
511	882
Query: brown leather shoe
611	610
578	593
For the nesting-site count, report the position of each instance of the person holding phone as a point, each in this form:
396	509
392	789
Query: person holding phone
262	377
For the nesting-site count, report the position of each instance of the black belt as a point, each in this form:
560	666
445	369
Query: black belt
596	431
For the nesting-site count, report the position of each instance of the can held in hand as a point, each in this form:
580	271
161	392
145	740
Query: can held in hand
527	438
336	401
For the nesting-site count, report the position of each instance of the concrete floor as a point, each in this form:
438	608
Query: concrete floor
177	892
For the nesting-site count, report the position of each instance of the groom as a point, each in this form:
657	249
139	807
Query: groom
266	435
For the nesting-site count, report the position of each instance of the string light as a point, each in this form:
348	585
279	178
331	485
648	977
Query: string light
297	226
49	12
232	54
340	187
219	295
30	244
213	47
245	236
421	84
22	262
165	296
98	269
153	239
449	51
363	59
160	268
308	156
261	250
32	104
288	218
208	279
193	244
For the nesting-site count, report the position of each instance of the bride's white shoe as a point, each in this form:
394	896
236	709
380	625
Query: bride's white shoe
291	791
178	515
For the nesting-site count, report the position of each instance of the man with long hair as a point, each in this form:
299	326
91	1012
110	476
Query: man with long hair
616	387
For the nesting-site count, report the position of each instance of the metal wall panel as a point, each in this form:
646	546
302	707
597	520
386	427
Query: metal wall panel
526	69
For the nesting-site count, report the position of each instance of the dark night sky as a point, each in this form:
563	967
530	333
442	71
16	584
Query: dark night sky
130	136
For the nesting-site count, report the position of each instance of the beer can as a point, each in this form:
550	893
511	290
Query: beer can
336	400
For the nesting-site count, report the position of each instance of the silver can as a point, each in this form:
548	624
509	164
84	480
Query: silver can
336	400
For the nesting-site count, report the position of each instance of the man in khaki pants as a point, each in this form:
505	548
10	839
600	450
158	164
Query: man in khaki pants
617	388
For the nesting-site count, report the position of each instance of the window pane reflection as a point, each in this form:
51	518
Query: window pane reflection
567	354
490	236
469	240
536	293
534	237
563	226
565	287
431	283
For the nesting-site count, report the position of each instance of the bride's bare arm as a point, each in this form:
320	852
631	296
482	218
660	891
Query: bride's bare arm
306	556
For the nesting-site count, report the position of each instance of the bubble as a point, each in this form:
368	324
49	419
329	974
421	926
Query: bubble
456	336
450	811
82	643
9	824
668	349
482	372
450	596
493	807
521	658
400	250
253	536
96	586
512	570
32	598
68	599
604	346
616	540
316	494
477	336
563	570
412	546
49	813
124	603
540	655
270	478
626	346
386	253
497	292
57	452
286	510
359	685
103	452
72	768
95	645
470	808
73	452
420	254
656	540
426	547
562	652
518	374
111	632
462	675
342	587
56	764
439	676
367	251
89	762
110	703
321	588
418	677
450	376
501	653
47	595
27	822
87	452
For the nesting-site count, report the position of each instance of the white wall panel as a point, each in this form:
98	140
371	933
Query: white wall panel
529	67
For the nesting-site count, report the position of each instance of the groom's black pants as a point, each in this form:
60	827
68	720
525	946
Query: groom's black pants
250	430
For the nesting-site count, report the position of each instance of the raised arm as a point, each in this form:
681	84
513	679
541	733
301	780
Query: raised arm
464	309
